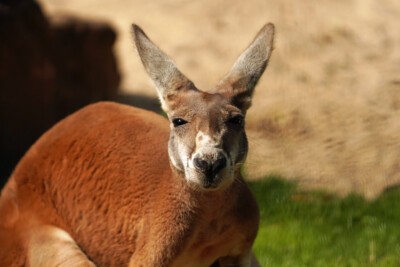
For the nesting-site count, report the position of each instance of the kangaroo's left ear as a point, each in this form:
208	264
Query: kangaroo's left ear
166	76
239	83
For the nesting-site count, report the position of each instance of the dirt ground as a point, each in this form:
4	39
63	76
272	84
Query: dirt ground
327	111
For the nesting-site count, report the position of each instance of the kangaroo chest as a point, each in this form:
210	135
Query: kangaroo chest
210	241
222	227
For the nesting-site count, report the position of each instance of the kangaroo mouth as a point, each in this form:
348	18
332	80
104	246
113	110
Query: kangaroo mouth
209	183
213	182
200	182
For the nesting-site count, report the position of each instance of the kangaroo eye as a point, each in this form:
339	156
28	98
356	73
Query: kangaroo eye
237	120
178	122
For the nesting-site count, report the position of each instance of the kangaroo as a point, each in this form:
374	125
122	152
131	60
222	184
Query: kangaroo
114	185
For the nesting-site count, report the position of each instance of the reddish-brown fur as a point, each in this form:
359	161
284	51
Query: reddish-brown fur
90	175
113	185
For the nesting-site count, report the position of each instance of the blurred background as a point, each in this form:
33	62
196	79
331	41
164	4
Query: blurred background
324	159
326	112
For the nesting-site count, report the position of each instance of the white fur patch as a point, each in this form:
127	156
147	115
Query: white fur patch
205	140
52	246
60	234
182	155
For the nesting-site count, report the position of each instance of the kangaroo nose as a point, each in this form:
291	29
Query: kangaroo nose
210	167
201	164
218	165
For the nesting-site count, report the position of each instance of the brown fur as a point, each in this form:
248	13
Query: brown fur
107	185
90	176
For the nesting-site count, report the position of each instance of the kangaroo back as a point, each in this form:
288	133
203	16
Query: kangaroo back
90	173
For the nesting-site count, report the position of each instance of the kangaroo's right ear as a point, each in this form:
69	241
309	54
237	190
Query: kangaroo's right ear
162	70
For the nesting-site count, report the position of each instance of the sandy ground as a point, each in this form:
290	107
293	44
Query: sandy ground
327	111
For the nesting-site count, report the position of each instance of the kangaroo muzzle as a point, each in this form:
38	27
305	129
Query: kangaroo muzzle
210	164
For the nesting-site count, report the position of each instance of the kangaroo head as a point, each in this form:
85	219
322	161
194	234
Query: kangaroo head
207	142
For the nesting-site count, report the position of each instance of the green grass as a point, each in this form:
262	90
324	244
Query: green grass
318	229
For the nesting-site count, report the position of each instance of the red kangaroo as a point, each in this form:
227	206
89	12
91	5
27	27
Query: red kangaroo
113	185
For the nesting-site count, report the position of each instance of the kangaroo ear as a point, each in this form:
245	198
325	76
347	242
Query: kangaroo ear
161	69
239	83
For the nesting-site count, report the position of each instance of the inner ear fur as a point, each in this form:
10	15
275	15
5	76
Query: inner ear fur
239	83
162	70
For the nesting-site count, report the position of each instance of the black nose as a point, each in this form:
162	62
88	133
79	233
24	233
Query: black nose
210	167
201	165
218	165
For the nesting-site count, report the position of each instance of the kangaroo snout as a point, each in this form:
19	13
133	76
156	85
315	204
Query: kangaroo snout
210	166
